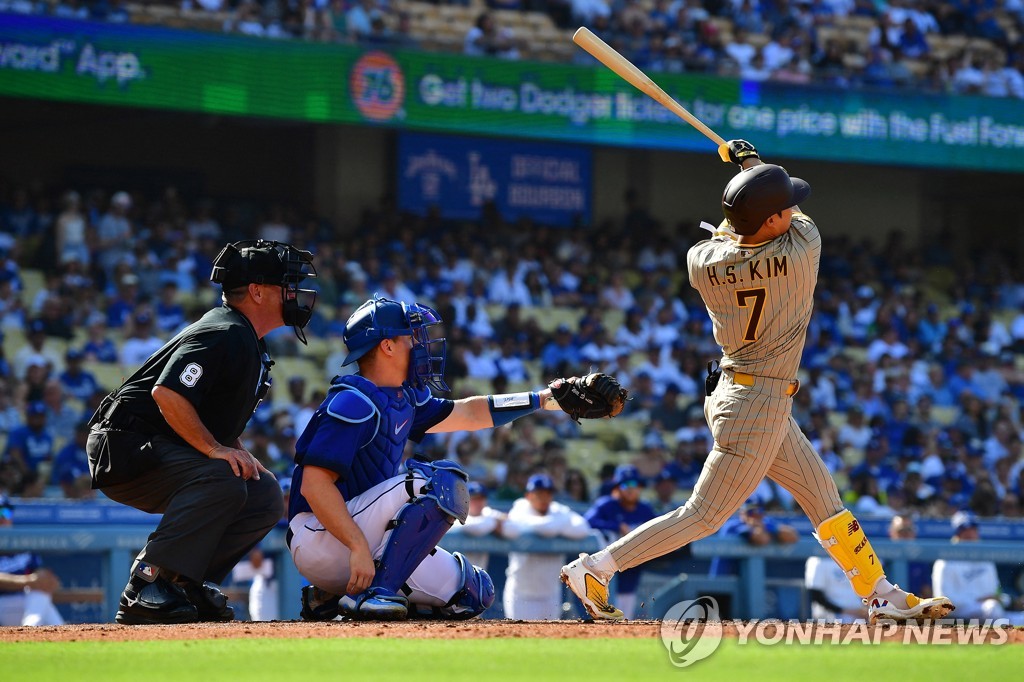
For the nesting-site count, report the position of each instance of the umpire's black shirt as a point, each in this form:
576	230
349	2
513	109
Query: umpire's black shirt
217	363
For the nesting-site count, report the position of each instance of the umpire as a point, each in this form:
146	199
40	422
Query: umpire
167	441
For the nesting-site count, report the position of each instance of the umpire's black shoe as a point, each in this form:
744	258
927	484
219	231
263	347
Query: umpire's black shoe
211	603
151	599
318	605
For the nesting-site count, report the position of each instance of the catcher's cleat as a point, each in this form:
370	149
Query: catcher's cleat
318	605
375	603
150	599
210	602
918	610
591	589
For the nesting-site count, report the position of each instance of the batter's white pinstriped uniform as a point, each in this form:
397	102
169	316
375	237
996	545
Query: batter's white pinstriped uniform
760	298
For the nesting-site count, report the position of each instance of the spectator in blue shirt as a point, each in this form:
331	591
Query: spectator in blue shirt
123	304
685	468
756	529
76	381
71	466
99	347
28	447
170	315
560	356
616	515
875	465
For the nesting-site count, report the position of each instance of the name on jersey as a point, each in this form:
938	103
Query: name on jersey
751	271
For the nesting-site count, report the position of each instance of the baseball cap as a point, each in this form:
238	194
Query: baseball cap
752	506
539	482
36	327
963	520
35	407
73	355
121	199
627	474
476	489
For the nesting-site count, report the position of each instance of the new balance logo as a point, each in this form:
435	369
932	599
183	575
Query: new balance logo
853	527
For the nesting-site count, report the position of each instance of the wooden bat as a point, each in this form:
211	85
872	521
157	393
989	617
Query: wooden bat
608	56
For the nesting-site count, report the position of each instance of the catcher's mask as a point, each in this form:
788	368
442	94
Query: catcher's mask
755	194
257	261
381	318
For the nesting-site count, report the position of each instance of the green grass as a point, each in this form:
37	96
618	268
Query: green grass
490	660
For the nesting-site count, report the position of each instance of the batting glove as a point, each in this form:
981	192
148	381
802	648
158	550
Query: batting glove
740	151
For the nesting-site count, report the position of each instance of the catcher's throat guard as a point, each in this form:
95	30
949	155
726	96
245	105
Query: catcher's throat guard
844	540
258	261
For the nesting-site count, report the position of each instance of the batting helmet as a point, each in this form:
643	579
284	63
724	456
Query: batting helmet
381	318
755	194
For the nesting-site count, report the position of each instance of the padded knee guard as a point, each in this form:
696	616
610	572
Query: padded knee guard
474	595
414	532
446	484
844	540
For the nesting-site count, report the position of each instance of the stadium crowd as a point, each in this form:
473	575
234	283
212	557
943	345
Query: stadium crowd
960	46
912	393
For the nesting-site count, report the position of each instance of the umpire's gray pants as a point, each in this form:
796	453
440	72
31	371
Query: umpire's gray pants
212	518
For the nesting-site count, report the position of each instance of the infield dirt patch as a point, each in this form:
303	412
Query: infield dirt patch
478	629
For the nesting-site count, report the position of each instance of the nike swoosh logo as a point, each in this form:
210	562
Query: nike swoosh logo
401	426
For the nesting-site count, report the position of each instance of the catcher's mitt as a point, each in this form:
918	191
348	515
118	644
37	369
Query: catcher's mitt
593	396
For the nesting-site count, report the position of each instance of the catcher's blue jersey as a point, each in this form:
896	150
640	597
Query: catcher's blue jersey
360	431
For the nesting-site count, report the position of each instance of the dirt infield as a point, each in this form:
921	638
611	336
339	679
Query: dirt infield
480	629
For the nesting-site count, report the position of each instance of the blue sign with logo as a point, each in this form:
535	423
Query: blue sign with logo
546	182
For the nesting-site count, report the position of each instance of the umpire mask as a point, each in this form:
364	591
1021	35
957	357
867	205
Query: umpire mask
257	261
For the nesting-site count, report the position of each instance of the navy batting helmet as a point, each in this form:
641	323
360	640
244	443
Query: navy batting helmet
381	318
755	194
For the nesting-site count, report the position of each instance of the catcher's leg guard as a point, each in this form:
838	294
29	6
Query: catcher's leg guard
843	538
474	595
413	534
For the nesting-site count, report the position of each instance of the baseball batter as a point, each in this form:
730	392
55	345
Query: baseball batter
756	276
361	529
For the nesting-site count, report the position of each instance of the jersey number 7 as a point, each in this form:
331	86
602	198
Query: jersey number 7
743	297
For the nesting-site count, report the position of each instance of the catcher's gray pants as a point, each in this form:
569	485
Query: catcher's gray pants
212	518
755	436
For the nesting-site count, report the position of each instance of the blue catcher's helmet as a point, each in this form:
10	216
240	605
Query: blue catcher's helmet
381	318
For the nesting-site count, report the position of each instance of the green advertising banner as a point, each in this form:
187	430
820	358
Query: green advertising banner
164	68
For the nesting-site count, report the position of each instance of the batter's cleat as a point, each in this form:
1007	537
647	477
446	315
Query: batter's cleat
210	602
375	603
918	610
591	589
318	605
151	599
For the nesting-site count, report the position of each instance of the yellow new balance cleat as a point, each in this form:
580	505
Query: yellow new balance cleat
591	589
918	610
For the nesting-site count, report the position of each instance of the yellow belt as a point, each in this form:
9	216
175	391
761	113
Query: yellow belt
744	379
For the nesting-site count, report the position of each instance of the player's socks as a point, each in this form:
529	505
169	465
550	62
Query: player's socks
891	593
602	563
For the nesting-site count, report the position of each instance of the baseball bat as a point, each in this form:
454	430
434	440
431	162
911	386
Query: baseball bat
608	56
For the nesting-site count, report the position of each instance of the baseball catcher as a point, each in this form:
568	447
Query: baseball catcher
364	528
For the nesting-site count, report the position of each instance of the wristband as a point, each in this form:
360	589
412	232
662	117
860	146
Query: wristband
508	407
